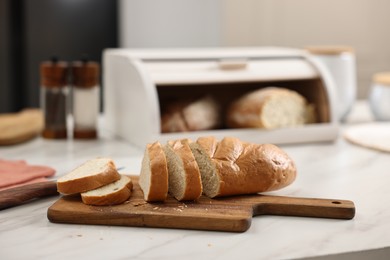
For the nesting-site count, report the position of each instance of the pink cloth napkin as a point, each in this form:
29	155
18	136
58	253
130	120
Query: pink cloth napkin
17	173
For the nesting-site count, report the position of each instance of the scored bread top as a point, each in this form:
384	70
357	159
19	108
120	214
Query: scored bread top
233	167
209	144
91	175
250	168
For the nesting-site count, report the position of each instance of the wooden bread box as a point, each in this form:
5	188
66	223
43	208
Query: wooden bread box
137	82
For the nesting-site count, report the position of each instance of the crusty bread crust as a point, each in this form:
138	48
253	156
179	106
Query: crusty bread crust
245	168
193	184
209	144
91	182
116	197
158	174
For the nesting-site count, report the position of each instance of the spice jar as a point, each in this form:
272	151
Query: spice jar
86	102
54	97
341	63
379	97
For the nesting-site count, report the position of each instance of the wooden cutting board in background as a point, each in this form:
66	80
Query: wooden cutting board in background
20	127
224	214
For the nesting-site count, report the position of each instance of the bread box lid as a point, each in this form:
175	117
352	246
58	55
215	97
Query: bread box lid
222	65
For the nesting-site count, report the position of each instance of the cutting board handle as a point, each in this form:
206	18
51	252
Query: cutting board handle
19	195
303	207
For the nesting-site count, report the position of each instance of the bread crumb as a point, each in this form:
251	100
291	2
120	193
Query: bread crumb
209	245
79	235
139	203
156	208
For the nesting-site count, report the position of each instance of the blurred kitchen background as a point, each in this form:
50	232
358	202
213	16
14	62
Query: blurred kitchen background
34	31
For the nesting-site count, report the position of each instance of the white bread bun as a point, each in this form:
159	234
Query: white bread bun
232	167
183	171
92	174
110	194
270	107
191	115
153	179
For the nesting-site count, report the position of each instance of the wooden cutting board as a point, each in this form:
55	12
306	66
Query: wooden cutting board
225	214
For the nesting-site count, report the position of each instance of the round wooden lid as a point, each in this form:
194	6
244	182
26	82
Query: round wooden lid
330	50
54	73
382	78
85	74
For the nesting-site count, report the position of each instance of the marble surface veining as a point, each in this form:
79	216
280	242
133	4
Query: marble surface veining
337	170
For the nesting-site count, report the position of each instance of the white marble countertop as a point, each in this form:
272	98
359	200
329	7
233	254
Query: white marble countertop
337	170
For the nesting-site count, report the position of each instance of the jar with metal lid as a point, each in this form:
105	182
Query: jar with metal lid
379	97
54	98
341	63
86	98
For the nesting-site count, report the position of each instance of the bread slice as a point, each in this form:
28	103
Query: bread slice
183	171
203	150
110	194
153	179
92	174
269	108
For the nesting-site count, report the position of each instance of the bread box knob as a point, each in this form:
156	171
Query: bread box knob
233	64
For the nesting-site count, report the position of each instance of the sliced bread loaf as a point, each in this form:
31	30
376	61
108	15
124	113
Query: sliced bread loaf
110	194
153	179
183	171
233	167
92	174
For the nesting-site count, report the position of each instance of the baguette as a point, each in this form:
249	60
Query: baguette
183	171
92	174
269	108
110	194
153	179
232	167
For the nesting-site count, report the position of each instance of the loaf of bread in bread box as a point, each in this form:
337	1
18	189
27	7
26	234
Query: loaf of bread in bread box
191	115
269	108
